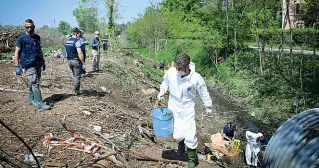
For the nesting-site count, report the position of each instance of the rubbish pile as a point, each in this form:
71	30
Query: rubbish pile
110	149
56	54
8	39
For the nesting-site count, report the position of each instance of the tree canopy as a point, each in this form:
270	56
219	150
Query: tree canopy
64	27
87	18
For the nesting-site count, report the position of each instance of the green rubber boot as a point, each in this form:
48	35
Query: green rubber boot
181	148
31	98
192	158
38	100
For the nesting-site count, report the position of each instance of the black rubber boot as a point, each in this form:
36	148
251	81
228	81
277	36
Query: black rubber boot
192	158
181	148
76	90
38	100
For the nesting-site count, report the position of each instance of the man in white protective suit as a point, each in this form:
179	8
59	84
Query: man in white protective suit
183	84
253	147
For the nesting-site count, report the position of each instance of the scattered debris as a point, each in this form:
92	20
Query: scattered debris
86	112
29	158
101	164
84	144
126	136
97	128
8	40
218	144
149	91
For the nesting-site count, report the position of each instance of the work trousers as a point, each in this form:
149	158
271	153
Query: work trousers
33	75
76	68
95	60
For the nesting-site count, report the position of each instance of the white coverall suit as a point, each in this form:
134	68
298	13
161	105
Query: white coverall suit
252	148
182	102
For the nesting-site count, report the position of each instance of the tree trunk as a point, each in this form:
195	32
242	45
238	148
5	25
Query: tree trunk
235	38
257	39
227	30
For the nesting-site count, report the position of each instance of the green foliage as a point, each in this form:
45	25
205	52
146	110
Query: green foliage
64	28
45	27
307	37
87	18
6	56
172	48
212	29
152	73
50	36
51	48
310	11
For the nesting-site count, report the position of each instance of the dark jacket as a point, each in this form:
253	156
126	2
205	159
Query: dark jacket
95	43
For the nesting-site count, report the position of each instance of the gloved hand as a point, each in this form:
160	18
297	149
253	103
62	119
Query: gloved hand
83	69
160	94
43	66
17	69
209	110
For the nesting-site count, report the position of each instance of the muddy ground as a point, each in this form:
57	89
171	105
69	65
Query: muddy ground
115	101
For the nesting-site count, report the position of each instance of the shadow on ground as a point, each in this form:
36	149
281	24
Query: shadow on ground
57	97
173	155
91	93
90	75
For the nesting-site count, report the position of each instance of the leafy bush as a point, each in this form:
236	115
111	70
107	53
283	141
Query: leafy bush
152	73
50	36
300	36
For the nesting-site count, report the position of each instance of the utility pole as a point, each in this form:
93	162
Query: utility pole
54	22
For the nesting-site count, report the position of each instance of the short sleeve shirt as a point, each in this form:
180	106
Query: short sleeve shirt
35	38
78	44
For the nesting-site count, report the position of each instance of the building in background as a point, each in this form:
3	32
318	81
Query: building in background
294	15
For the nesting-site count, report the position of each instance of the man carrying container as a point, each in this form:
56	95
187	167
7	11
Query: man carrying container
183	83
29	55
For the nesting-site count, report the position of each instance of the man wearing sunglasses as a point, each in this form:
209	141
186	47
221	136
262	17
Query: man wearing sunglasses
95	45
28	55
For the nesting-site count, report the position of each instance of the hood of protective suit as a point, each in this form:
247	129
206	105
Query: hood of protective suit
254	145
259	134
192	68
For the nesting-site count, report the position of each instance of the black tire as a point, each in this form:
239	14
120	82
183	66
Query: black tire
295	143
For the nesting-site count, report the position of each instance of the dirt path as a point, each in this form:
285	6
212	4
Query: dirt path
116	103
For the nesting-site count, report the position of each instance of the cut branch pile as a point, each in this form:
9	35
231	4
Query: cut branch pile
8	40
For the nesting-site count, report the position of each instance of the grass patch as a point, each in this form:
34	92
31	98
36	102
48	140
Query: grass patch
6	56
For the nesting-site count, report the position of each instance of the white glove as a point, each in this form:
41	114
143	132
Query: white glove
161	94
209	110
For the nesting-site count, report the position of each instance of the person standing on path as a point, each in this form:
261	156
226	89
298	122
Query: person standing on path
95	45
184	83
75	58
29	55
